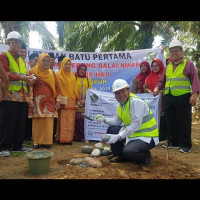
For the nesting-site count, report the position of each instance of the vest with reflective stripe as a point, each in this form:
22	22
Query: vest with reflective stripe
148	127
19	70
176	82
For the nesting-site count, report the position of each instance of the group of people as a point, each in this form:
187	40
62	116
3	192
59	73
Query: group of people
36	95
145	82
54	101
133	132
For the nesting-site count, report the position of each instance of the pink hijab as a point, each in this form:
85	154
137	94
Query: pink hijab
142	76
78	69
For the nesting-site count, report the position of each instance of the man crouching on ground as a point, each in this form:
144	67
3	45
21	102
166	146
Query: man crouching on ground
139	132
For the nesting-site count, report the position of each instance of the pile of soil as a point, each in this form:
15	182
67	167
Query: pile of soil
178	166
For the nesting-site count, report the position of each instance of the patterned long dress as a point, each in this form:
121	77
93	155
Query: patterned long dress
44	111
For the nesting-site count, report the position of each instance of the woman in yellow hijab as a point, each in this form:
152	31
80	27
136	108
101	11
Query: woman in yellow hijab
44	101
66	114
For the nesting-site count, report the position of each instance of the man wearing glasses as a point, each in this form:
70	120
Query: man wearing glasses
181	83
13	108
139	132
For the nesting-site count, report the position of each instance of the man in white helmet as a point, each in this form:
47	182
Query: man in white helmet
13	108
138	132
181	83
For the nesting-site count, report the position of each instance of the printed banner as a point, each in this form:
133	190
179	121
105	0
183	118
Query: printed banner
104	67
101	102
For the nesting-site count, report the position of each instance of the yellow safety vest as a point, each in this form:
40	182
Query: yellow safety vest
176	82
148	127
19	70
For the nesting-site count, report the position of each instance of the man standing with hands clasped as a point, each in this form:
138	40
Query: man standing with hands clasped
139	133
13	107
181	84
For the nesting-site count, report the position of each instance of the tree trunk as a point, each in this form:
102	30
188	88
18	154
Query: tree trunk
9	26
146	27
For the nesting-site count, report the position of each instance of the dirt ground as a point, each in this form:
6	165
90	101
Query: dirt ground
178	166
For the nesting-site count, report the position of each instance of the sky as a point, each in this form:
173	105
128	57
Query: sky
35	39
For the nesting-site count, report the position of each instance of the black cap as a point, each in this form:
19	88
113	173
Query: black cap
23	46
33	55
60	58
51	54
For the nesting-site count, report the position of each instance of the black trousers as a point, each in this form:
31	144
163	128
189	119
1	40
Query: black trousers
13	116
28	132
163	126
136	150
116	148
163	129
178	118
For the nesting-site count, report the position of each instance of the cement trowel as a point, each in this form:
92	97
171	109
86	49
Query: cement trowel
87	117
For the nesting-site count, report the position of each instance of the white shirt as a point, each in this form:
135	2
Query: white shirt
28	68
138	110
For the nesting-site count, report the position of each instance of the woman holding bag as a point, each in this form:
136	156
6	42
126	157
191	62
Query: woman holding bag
66	114
44	101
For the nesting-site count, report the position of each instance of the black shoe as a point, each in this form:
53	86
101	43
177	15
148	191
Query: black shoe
110	156
69	143
147	161
54	138
184	150
48	147
36	146
118	159
77	140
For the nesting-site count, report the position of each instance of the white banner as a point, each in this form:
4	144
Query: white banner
105	67
101	102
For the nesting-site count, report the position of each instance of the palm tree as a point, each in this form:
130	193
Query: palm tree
24	28
112	35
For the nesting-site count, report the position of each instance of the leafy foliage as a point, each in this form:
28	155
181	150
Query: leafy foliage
112	35
24	28
129	35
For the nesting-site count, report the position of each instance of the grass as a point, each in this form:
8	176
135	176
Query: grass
28	144
17	154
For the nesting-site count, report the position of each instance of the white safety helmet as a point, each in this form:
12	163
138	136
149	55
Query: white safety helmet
14	35
119	84
175	43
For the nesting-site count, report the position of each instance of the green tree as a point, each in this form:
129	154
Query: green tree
130	35
115	35
111	35
107	35
24	28
188	33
